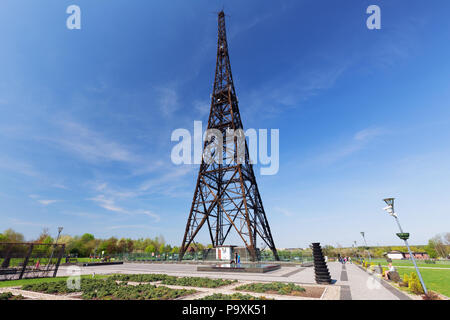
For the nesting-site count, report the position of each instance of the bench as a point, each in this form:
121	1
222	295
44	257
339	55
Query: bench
393	276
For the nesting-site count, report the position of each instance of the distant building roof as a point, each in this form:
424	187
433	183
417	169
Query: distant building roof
414	252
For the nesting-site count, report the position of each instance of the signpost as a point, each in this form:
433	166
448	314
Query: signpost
404	236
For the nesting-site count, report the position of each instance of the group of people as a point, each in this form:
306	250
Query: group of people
237	259
344	260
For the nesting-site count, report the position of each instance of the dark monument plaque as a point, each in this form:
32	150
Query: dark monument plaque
320	266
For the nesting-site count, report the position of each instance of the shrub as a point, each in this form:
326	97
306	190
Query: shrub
10	296
405	281
6	296
431	296
414	284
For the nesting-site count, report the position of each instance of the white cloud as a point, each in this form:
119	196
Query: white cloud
91	146
101	187
130	226
168	178
85	215
14	221
151	214
59	186
47	202
359	140
291	89
283	211
369	133
42	201
202	107
18	166
110	205
237	28
168	100
147	167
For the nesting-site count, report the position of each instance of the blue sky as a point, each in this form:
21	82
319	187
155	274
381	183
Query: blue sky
87	115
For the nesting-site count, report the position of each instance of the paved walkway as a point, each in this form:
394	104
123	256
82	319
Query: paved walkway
353	283
360	285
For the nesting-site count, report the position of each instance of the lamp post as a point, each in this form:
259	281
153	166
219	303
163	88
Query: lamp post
60	229
367	248
404	236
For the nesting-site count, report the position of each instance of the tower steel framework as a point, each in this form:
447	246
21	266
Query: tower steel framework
226	195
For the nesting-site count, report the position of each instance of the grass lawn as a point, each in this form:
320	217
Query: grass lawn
435	279
408	263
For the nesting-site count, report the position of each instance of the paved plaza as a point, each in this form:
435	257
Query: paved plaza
349	281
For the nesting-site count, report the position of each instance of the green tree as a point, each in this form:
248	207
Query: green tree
130	245
150	248
75	247
329	251
87	237
431	250
111	245
9	235
167	248
44	235
122	245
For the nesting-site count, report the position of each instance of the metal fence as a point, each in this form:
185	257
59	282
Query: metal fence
206	255
29	260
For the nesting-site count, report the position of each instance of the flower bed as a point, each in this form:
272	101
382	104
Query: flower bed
282	289
234	296
54	287
139	292
172	280
109	289
10	296
139	277
197	282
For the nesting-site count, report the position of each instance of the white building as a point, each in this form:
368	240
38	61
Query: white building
395	255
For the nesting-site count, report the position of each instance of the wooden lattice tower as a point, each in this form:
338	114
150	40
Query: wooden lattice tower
226	196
